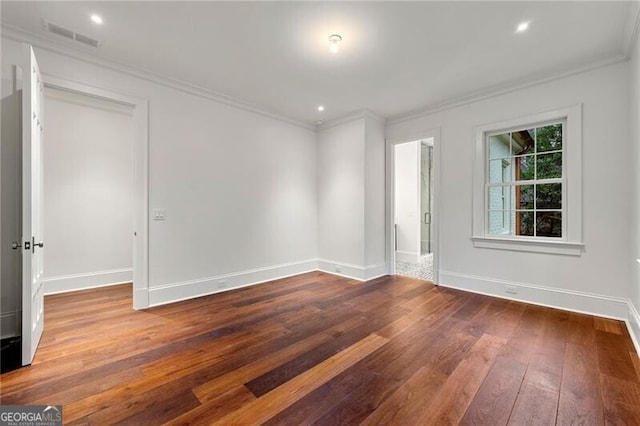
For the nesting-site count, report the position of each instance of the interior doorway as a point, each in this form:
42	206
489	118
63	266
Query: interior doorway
413	208
88	207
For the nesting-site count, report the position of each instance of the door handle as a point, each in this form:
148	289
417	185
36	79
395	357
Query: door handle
427	218
34	244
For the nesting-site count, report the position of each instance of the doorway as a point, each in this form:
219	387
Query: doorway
88	191
413	202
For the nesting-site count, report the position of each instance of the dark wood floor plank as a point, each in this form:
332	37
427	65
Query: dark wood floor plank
494	401
613	356
449	405
622	399
318	348
580	395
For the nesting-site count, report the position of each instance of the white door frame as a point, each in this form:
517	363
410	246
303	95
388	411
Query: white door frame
141	177
390	204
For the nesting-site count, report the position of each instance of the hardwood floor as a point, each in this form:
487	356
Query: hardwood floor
322	349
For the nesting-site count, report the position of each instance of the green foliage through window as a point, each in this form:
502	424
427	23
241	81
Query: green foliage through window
525	182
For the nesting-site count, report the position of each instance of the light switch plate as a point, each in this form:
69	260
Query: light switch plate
159	214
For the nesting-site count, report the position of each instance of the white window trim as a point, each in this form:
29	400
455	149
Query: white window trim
571	242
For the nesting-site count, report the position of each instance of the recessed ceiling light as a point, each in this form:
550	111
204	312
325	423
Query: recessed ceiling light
335	40
522	27
320	108
96	19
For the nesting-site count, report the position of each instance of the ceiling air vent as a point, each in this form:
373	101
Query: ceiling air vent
72	35
86	40
56	29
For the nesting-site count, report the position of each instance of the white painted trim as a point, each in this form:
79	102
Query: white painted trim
350	270
175	292
17	34
140	239
390	252
534	246
501	89
633	325
363	113
9	326
375	271
568	300
629	34
571	183
75	282
406	256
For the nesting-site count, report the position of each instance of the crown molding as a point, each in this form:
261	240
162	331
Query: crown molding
501	89
631	29
17	34
357	115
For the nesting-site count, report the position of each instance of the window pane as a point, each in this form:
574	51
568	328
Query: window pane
549	196
523	197
496	198
549	165
524	223
549	138
499	222
525	167
499	146
549	224
500	171
523	141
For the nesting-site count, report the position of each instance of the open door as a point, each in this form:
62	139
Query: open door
32	265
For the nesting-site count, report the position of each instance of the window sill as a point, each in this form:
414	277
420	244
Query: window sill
534	246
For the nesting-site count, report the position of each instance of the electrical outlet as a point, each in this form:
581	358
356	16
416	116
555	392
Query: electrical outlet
222	284
511	289
338	268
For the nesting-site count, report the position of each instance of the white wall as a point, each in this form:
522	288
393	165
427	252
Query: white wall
407	201
603	269
239	187
375	244
351	195
11	206
634	120
341	199
88	191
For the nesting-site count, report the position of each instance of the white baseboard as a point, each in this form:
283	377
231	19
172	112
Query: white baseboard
349	270
406	256
568	300
65	283
633	324
9	325
160	295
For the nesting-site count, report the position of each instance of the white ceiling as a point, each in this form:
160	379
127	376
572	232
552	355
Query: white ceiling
395	58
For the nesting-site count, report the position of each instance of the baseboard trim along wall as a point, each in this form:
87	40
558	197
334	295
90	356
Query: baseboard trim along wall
406	256
568	300
349	270
633	324
9	326
84	281
161	295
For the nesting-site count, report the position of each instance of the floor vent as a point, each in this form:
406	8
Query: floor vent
72	35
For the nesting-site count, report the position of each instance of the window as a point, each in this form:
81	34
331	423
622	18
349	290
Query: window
527	184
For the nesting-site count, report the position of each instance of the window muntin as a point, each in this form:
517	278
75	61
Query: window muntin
525	185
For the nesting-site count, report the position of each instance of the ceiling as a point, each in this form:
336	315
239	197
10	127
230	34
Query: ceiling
395	58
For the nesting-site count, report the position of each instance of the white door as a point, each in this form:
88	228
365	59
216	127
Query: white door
32	131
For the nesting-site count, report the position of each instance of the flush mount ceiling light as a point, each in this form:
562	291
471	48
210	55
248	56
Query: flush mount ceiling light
97	19
335	40
522	27
320	108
